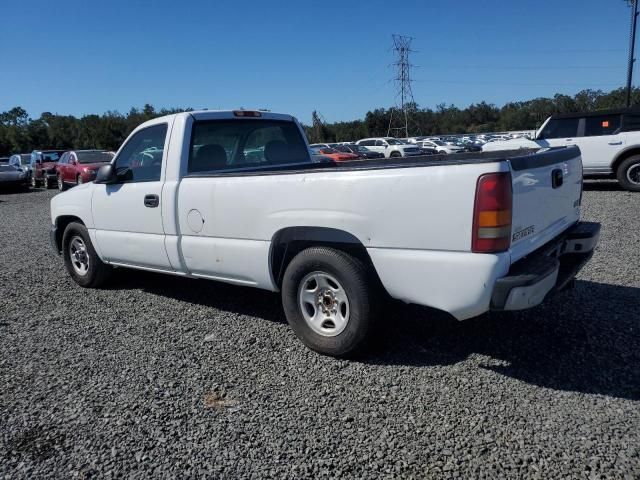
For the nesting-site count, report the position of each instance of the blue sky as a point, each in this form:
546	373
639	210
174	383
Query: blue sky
79	57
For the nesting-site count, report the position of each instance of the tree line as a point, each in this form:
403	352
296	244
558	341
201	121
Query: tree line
20	133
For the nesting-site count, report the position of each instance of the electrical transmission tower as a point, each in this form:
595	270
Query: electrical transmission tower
400	115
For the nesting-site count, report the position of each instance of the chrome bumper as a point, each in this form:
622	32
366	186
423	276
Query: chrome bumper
550	269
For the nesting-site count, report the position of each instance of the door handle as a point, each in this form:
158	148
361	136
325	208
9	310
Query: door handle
616	143
151	201
569	140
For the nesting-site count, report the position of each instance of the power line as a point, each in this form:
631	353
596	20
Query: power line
515	84
531	67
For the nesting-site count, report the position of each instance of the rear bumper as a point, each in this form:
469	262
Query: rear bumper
550	269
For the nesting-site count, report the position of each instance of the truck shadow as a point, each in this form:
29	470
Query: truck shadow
585	340
221	296
602	186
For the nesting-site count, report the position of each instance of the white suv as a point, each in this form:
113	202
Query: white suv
609	142
389	146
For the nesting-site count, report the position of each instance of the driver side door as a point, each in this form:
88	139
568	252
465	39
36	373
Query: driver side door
127	214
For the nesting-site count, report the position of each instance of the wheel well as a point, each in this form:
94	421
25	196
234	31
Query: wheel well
288	242
622	157
61	225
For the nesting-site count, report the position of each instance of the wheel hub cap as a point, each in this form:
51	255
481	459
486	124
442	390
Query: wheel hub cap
324	304
633	174
79	256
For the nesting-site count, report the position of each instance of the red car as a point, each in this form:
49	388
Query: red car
43	167
333	154
80	166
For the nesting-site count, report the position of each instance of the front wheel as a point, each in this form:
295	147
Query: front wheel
45	182
628	174
395	154
328	299
61	186
34	181
80	258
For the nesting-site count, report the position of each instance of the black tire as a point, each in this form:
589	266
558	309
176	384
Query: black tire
395	154
61	185
98	272
79	180
34	181
628	173
46	184
359	286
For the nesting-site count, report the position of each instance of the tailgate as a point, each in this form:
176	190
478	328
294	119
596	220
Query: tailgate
546	197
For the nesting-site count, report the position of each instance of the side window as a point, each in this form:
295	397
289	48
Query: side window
367	143
140	160
601	125
379	143
560	128
64	158
231	144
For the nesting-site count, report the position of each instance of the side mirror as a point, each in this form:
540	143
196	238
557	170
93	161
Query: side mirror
106	174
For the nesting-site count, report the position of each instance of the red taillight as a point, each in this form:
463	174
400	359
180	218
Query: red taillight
247	113
492	213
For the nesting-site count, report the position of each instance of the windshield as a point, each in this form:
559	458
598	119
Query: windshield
362	149
25	159
393	141
328	150
50	156
94	157
438	142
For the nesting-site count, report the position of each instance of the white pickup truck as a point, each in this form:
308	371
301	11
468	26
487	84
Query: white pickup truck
235	196
609	142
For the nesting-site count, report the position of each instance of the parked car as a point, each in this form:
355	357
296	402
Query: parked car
80	166
609	141
463	236
13	177
440	146
362	152
425	150
22	161
43	167
389	147
4	160
333	154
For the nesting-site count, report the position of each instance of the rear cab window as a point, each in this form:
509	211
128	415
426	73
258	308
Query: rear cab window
239	144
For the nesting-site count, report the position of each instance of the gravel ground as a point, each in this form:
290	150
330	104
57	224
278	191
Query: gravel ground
162	376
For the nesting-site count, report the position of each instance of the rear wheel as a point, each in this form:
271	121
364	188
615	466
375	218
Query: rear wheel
80	258
628	174
45	182
328	299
